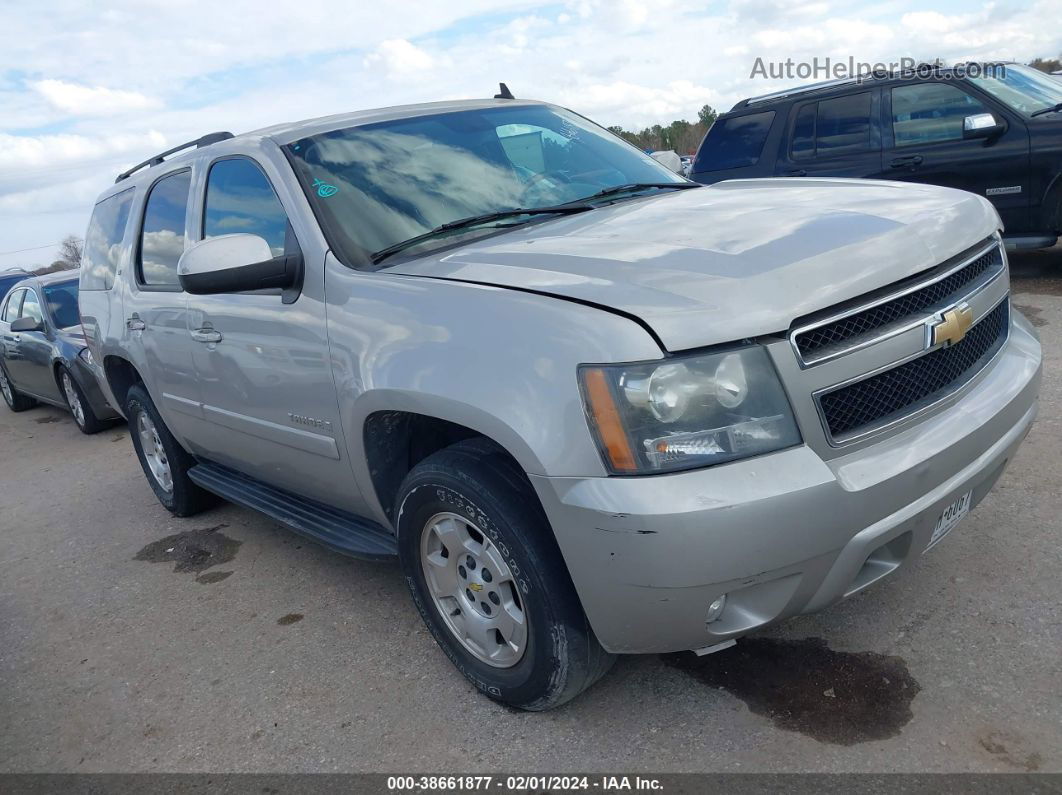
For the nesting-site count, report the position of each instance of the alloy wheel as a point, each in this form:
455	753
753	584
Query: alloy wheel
154	452
5	387
73	401
474	590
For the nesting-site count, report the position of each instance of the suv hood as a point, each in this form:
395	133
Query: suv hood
735	260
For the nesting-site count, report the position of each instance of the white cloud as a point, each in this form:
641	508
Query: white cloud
32	153
604	101
398	58
79	100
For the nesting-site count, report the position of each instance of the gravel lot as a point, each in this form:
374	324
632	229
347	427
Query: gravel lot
276	655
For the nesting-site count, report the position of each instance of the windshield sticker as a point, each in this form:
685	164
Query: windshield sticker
324	190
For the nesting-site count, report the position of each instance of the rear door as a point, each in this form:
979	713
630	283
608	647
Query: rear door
156	309
833	137
924	143
30	364
11	308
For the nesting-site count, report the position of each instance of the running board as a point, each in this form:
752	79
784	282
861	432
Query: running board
344	532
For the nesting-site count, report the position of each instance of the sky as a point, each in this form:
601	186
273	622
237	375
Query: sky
88	89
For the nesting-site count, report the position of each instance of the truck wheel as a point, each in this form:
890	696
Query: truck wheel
15	400
84	417
486	574
164	461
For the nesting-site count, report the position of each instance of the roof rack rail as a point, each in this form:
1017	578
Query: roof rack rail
804	89
198	143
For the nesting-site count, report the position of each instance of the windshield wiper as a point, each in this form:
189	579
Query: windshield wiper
1052	109
475	220
635	186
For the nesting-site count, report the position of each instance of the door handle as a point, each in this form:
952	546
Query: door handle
908	161
800	172
206	335
135	324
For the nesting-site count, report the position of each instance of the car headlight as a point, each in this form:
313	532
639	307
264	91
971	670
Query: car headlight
687	412
86	356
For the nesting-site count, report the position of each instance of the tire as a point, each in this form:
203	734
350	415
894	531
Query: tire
14	399
475	484
170	482
80	409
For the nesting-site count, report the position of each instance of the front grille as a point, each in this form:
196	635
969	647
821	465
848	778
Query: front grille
904	389
813	343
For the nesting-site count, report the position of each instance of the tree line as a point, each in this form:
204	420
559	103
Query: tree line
681	135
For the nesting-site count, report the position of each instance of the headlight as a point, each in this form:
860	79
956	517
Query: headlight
687	412
86	355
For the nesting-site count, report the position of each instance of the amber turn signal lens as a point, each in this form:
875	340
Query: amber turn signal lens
607	419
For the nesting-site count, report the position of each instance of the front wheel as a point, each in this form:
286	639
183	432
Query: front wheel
81	410
489	581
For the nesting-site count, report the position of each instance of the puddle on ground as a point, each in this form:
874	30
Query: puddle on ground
1032	313
804	686
47	418
289	619
194	551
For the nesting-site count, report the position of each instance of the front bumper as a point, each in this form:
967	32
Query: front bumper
785	533
89	382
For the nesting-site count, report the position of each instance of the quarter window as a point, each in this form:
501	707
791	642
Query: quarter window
929	112
832	127
162	238
103	241
735	142
239	198
14	305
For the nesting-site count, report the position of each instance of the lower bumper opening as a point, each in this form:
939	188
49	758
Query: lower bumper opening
882	561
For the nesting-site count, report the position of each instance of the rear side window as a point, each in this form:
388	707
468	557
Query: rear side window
14	304
103	241
734	142
930	112
162	237
239	198
832	127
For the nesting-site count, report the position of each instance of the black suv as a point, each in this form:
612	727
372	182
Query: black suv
997	134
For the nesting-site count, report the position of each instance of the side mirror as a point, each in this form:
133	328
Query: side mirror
26	324
982	125
236	264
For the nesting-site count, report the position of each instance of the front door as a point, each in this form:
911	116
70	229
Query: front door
263	365
836	137
924	143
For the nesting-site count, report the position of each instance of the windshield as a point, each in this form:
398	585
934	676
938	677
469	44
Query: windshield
1025	89
380	184
61	299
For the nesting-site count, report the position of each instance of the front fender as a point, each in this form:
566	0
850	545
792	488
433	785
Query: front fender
501	362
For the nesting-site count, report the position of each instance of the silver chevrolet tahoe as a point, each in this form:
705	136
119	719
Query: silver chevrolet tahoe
592	408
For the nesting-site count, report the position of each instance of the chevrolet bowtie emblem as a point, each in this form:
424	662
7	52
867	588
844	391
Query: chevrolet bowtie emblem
952	327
